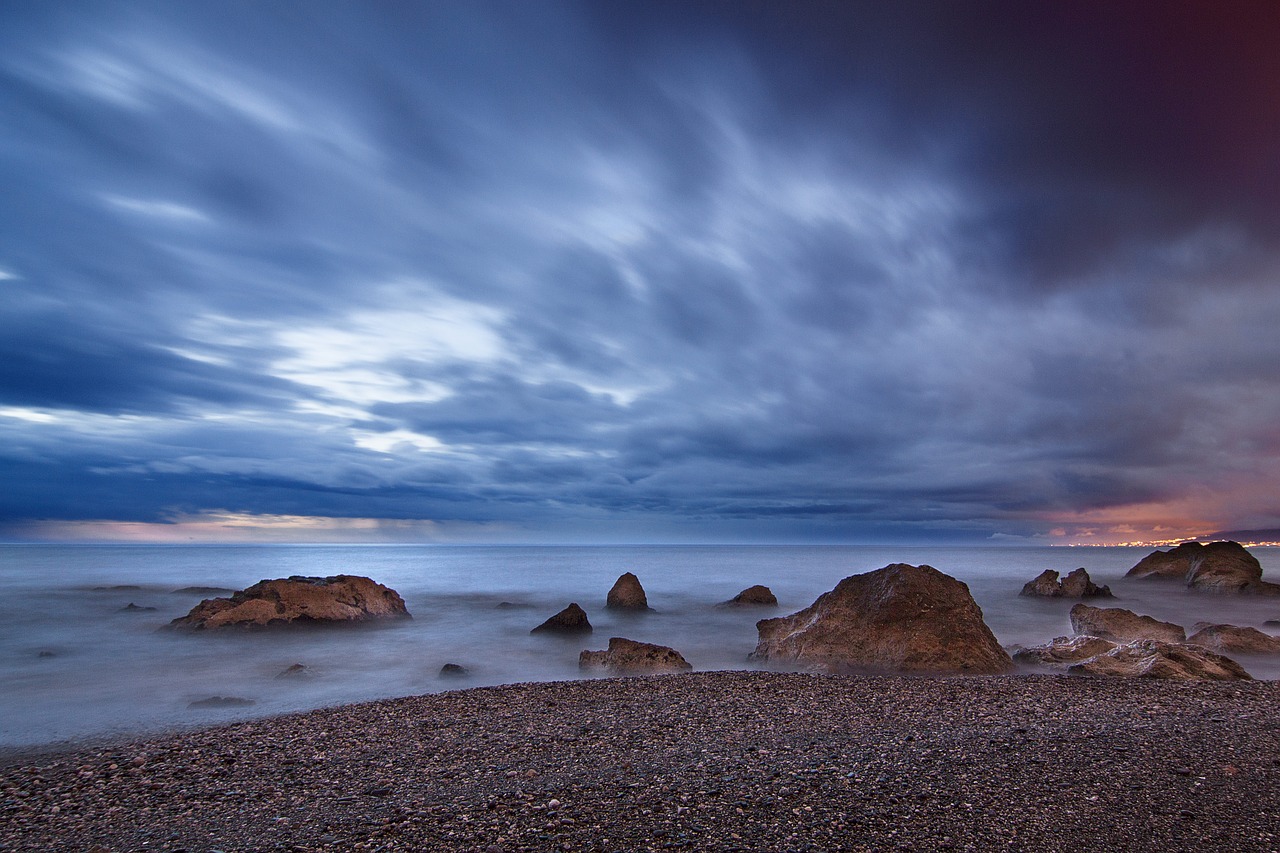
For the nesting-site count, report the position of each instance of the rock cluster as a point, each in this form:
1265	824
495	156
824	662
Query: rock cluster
627	594
629	657
900	618
1076	584
571	620
1122	626
1215	567
341	599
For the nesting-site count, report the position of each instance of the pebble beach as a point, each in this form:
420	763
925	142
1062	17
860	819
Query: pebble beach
703	761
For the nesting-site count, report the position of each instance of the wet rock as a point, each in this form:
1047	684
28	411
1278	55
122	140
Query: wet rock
900	619
629	657
453	670
1075	585
297	670
1122	626
627	594
752	596
571	620
1234	639
1063	650
1156	659
133	608
1216	567
341	599
221	702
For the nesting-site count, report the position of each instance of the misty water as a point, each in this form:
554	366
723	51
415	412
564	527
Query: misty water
75	664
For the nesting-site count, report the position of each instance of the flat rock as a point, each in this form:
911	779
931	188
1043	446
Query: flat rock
1156	659
627	594
571	620
1215	567
897	619
629	657
1234	639
341	599
1063	650
752	596
1122	626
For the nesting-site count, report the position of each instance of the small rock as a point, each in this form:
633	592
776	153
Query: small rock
221	702
133	608
571	620
453	670
297	670
752	596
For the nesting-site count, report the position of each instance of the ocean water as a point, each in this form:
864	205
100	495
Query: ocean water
75	664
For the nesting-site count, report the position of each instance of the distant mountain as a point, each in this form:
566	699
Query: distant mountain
1269	535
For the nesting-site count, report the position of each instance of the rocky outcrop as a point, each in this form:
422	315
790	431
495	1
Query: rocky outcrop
752	596
1215	567
628	657
897	619
1063	650
627	594
571	620
341	599
1233	639
1122	626
1156	659
1075	585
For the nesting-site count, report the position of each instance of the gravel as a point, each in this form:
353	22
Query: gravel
705	761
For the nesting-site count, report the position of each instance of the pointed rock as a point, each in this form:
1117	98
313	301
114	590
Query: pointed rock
627	594
571	620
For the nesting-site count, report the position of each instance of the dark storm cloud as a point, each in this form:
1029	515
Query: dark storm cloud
754	269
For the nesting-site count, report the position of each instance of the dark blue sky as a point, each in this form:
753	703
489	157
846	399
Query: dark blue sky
639	271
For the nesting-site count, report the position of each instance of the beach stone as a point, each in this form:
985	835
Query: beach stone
900	618
1063	650
1075	585
752	596
1231	638
1122	626
1157	659
627	594
629	657
1216	567
571	620
340	599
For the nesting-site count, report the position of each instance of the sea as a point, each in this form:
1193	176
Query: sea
79	665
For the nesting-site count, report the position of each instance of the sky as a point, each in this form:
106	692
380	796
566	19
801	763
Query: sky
916	272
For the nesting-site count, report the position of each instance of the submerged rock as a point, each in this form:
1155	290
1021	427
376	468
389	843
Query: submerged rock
1216	567
1156	659
627	594
296	670
752	596
221	702
341	599
1063	650
1075	585
133	608
1230	638
629	657
897	619
454	670
1122	626
202	590
571	620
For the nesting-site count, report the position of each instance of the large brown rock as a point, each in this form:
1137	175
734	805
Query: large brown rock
627	594
341	599
571	620
1233	639
1122	626
1063	650
1215	567
752	596
629	657
897	619
1155	659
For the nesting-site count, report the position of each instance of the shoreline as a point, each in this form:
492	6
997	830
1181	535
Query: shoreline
734	760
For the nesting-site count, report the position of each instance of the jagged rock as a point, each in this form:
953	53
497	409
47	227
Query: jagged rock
133	608
1063	650
627	594
1216	567
1075	585
1230	638
343	599
571	620
453	670
898	619
629	657
1156	659
221	702
1122	626
752	596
